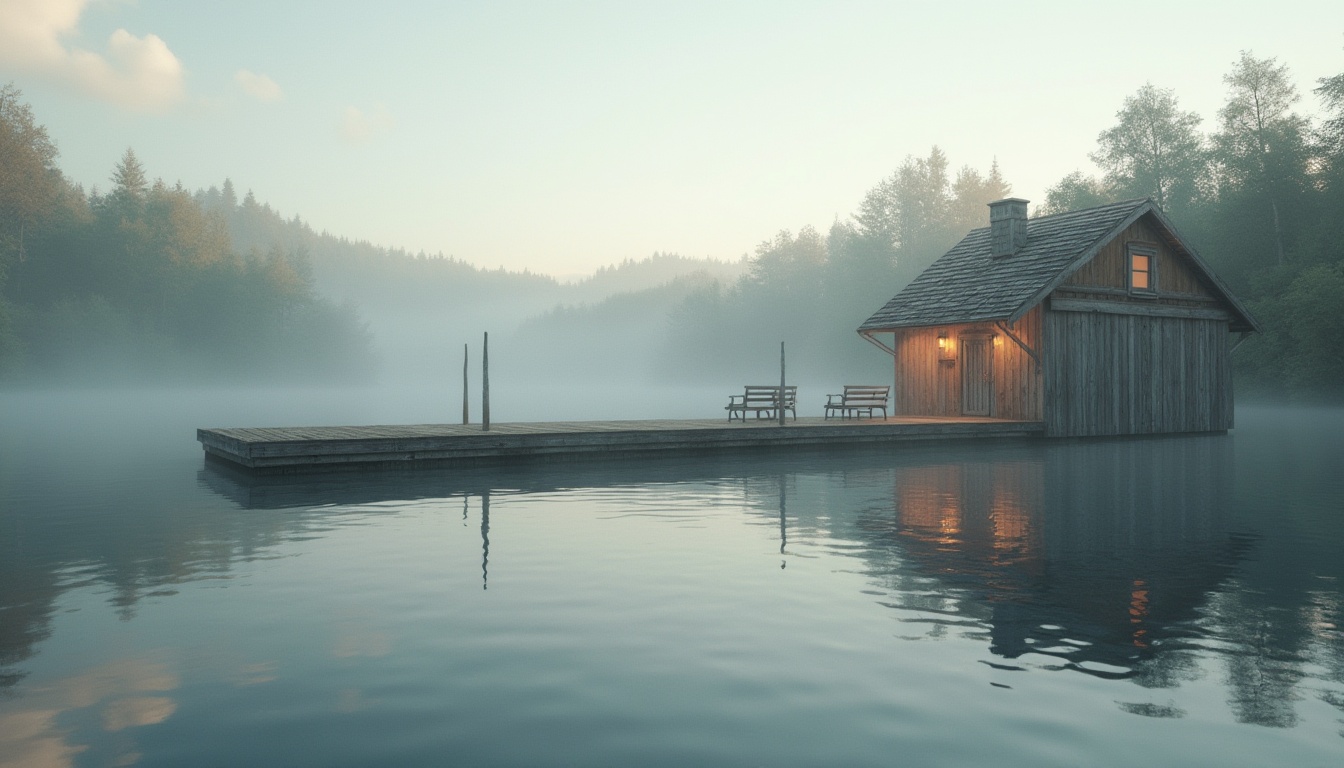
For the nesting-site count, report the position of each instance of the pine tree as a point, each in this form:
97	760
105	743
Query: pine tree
126	200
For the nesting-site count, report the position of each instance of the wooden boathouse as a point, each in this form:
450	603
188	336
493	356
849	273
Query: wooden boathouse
1095	322
1102	321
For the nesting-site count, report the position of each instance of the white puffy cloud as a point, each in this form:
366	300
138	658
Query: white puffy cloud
358	127
258	86
138	73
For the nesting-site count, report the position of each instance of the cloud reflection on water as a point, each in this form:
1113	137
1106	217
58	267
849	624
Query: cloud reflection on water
31	731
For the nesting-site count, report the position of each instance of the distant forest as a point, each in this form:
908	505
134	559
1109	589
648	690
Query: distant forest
151	282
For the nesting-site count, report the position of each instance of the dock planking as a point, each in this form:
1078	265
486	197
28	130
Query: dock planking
297	449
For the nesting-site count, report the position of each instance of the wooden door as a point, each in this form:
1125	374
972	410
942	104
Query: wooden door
977	376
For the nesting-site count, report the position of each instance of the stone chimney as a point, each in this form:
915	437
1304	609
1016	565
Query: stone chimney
1007	226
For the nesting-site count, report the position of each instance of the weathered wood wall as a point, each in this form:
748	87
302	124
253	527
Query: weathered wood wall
1176	278
926	387
1119	374
1120	364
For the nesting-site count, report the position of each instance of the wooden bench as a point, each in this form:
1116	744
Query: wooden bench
762	400
857	399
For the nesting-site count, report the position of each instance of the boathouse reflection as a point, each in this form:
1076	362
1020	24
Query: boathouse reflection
1099	554
1115	558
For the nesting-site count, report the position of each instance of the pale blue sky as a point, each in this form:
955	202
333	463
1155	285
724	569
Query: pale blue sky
564	136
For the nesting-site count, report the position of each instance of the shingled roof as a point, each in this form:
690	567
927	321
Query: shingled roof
967	285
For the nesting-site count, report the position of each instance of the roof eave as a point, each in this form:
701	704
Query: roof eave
889	327
1208	273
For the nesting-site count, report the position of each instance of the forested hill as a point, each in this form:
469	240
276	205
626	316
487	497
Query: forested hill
357	270
148	282
142	285
1258	190
392	279
152	278
418	306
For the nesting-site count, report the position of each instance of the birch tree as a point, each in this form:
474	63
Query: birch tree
1155	150
1261	145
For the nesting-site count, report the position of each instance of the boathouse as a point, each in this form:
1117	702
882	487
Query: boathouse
1102	321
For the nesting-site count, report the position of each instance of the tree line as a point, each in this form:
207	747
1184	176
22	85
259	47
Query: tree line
1260	197
163	280
812	290
142	282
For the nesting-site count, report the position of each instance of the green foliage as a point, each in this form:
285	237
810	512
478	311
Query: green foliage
1074	192
1299	355
1331	93
30	183
143	283
1155	150
812	291
1263	201
1261	149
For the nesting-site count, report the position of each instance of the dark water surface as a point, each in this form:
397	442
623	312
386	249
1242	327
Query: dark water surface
1170	601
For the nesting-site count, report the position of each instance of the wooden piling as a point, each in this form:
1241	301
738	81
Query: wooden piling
485	383
780	401
466	409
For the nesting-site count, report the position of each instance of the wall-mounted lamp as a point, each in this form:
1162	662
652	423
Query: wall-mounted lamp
947	352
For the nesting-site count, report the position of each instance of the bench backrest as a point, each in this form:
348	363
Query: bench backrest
768	395
862	394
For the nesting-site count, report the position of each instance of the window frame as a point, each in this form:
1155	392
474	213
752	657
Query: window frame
1149	251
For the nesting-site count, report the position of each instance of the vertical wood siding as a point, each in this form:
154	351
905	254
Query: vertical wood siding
1112	374
926	387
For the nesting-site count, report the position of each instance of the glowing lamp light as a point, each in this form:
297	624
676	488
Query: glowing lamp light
947	352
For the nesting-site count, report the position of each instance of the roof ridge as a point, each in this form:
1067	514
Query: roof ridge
1133	201
966	283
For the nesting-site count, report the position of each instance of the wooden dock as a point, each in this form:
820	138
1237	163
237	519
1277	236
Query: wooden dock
297	449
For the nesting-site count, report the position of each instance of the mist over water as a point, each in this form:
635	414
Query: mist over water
1165	601
1171	601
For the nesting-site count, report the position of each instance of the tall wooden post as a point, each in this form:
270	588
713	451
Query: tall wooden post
781	383
466	410
485	383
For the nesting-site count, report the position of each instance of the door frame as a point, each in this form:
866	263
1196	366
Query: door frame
987	376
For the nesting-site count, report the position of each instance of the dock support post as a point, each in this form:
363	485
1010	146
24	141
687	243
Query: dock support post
466	410
780	401
485	383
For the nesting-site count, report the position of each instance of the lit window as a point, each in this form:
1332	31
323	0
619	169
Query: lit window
1142	268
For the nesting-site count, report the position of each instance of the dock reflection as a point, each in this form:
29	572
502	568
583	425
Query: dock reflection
1101	555
1119	559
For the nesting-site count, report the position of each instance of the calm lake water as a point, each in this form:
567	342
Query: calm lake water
1171	601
